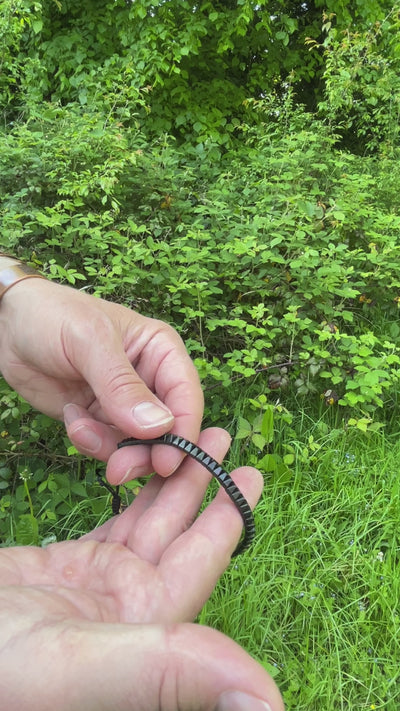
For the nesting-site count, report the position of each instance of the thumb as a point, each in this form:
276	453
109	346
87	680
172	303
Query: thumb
125	400
150	668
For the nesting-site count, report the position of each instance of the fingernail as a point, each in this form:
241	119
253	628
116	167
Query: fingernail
71	413
148	414
238	701
86	439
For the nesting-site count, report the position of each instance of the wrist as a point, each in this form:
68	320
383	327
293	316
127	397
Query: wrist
15	299
12	271
7	260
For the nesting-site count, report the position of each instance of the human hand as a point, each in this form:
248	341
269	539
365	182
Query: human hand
109	371
103	623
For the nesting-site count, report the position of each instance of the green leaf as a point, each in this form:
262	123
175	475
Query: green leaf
270	668
71	450
244	429
288	459
79	489
37	25
258	441
268	463
351	399
27	530
267	425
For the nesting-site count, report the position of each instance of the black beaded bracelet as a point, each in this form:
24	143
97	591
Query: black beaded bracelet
226	481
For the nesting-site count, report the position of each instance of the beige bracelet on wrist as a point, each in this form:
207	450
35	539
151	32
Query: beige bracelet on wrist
13	274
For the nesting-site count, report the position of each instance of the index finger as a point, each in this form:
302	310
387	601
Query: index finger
166	367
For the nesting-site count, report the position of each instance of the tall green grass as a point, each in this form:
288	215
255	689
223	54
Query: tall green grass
316	599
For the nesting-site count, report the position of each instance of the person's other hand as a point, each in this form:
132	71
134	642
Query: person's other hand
102	624
107	370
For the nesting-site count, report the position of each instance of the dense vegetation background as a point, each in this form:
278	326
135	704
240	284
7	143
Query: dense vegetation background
228	166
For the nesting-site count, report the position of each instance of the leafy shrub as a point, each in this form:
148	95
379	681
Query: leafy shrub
273	252
41	486
279	258
362	86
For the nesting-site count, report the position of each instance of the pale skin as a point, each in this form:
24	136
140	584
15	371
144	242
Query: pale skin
105	622
71	356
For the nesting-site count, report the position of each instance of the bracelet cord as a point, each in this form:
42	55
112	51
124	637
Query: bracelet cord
217	471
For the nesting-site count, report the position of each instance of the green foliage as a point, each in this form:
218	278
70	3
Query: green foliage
276	259
362	85
42	490
159	154
184	179
259	435
196	63
315	597
14	17
48	491
268	435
